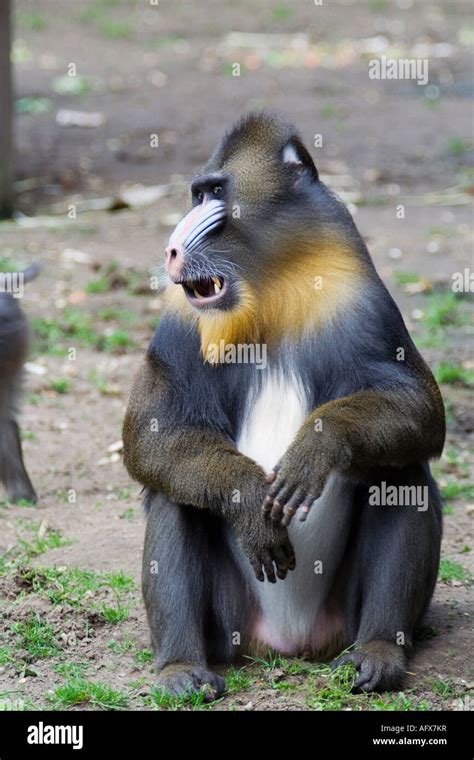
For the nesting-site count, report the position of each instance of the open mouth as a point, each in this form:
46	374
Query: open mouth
204	291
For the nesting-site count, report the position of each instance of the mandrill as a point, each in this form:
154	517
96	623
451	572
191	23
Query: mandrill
229	452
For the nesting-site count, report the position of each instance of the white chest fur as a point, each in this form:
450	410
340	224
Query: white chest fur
273	417
291	611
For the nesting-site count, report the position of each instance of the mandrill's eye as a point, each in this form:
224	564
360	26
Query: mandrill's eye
200	197
217	190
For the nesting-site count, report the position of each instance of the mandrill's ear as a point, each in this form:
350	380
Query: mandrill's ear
295	154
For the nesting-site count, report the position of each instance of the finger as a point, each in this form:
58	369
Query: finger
286	493
277	511
292	504
287	516
273	473
277	484
267	505
287	549
282	562
268	567
305	507
257	568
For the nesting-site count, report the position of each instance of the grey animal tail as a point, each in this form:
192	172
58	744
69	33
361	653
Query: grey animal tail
31	272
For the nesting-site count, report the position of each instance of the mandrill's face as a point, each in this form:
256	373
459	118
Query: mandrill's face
238	230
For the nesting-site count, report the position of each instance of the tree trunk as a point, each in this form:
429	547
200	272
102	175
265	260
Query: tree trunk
6	138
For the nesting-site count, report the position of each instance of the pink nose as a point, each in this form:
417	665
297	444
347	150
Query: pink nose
174	260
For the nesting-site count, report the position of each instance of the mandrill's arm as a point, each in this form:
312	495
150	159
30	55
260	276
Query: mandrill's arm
358	434
196	465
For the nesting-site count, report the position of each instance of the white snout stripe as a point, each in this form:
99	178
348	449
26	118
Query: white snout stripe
198	223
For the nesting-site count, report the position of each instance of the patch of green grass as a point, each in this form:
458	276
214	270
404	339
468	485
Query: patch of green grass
452	571
7	264
442	688
99	381
332	690
117	614
114	29
20	52
25	503
97	14
73	585
34	399
405	278
158	43
117	342
5	656
436	339
274	661
143	656
112	314
99	285
31	20
153	323
33	105
61	385
55	336
456	490
127	514
327	112
457	146
70	669
281	12
16	704
119	581
75	328
447	373
196	700
399	702
36	636
72	85
121	647
122	494
78	691
445	232
43	539
452	457
442	310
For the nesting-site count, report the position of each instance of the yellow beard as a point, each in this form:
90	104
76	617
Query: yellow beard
308	290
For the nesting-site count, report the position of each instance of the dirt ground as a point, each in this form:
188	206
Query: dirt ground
73	639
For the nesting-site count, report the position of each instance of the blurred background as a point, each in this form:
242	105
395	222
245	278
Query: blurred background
115	103
140	69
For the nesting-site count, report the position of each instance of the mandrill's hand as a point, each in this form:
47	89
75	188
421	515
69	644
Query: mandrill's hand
300	476
265	543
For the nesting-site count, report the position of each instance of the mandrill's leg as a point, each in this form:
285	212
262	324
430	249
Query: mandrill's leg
194	595
12	469
392	574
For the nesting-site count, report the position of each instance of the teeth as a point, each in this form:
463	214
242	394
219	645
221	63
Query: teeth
217	287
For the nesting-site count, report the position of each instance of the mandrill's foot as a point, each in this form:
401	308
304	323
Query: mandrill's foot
22	492
380	666
183	679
